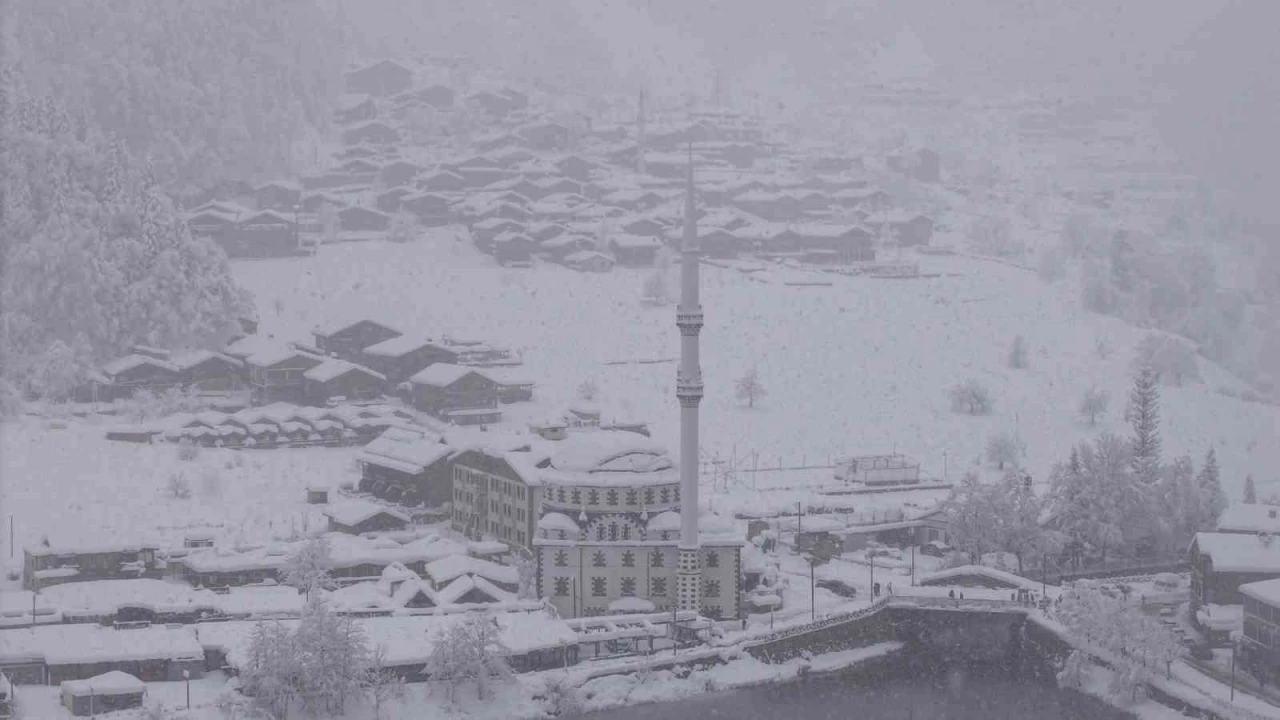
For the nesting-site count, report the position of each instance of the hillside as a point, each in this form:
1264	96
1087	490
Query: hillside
860	367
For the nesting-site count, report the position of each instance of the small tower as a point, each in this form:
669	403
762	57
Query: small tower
640	134
689	392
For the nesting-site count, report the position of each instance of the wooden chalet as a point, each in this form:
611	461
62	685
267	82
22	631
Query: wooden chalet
637	199
575	168
389	202
770	206
721	243
513	248
634	250
866	198
504	210
588	261
907	228
375	132
381	79
430	208
646	226
546	231
492	103
45	565
100	694
546	136
313	203
440	97
830	243
263	234
1222	562
511	157
400	358
347	340
407	467
498	141
359	517
277	375
209	371
335	378
399	172
444	181
362	219
479	176
512	386
484	232
125	376
456	393
355	108
280	195
559	248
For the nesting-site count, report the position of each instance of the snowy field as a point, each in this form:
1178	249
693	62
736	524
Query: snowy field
64	480
862	366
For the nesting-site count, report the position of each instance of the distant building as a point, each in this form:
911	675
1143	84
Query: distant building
347	340
359	517
1222	562
1261	637
407	467
456	393
380	79
1249	519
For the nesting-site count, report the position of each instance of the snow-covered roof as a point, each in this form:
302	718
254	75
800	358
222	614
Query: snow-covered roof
558	521
337	327
404	451
667	521
86	644
188	360
115	682
1005	578
597	452
251	345
398	346
444	374
333	368
1250	518
274	356
129	362
1266	591
1234	552
632	605
624	240
355	512
446	569
584	255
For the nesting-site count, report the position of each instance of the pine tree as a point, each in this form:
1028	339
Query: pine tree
1144	417
1250	490
1209	488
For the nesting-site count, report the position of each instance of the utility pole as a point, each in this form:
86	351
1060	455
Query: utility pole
913	565
813	593
798	517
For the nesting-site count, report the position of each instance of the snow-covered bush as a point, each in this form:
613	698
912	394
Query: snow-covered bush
971	397
469	650
187	450
588	390
309	567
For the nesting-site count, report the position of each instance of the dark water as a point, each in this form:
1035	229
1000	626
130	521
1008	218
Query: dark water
935	695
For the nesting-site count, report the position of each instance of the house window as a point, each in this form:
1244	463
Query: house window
562	587
520	536
598	559
593	497
675	493
713	559
560	495
626	532
648	496
562	558
628	586
576	497
665	495
611	497
711	589
613	531
633	497
656	559
628	559
519	513
658	586
597	587
600	532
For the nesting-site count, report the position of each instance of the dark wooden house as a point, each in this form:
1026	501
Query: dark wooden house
315	202
408	468
513	248
559	248
720	243
209	371
277	375
576	168
361	219
135	372
830	243
1222	562
908	229
354	108
278	195
380	79
335	378
390	201
770	206
492	103
431	209
634	250
483	232
44	565
456	393
399	172
263	234
401	358
372	133
545	136
347	340
359	517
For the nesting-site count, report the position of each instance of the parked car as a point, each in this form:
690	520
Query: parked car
935	548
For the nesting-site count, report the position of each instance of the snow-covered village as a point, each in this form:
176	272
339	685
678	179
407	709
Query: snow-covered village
617	360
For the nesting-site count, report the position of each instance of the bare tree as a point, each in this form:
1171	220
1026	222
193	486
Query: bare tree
179	488
1094	403
381	683
749	388
971	397
588	390
308	568
1018	353
1005	448
469	650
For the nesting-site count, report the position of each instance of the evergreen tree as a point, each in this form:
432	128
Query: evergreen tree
1209	491
1144	417
1250	491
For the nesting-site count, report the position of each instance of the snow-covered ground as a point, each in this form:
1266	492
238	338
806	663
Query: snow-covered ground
859	367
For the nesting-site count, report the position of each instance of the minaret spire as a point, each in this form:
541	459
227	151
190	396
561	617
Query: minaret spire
689	392
640	134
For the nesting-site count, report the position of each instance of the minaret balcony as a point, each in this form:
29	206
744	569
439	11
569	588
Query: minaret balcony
689	321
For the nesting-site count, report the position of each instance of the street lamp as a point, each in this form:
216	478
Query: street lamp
186	675
813	593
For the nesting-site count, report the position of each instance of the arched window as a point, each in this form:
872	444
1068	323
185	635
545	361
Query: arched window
648	496
613	531
598	559
611	497
560	495
628	559
600	532
593	497
665	494
576	496
562	558
655	559
626	532
633	498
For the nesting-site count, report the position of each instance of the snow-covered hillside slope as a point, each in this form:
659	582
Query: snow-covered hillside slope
862	366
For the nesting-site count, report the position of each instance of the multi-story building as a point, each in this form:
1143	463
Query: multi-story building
609	529
1261	638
